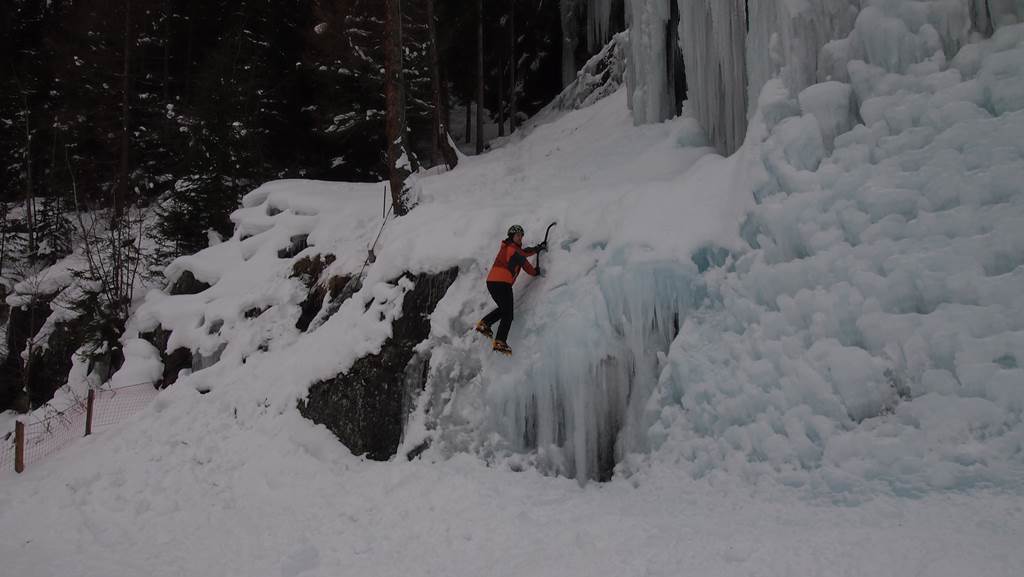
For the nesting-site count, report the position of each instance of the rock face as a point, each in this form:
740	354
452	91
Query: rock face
187	284
367	406
5	310
333	289
296	245
174	362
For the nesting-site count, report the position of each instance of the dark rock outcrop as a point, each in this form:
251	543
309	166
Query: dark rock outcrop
178	359
5	309
51	364
24	386
334	290
187	284
297	244
366	407
309	268
24	322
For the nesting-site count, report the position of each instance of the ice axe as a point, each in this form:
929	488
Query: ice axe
545	243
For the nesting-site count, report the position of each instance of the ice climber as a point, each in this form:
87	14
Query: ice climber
510	260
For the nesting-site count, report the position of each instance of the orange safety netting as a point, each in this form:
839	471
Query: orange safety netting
49	435
115	405
7	452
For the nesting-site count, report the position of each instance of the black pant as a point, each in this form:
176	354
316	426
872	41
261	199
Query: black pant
501	292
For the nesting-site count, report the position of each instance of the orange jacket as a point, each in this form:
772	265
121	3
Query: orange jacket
511	258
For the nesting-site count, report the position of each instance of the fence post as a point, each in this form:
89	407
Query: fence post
88	412
19	446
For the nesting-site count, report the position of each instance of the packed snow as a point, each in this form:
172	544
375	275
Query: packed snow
821	333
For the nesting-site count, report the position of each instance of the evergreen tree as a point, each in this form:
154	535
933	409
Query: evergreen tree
237	112
343	66
195	103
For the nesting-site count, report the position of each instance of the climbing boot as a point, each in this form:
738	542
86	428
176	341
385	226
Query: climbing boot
482	328
501	347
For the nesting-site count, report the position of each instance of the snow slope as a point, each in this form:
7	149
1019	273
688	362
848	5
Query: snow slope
825	381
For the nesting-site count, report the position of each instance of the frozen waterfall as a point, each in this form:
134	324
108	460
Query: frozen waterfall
579	408
732	48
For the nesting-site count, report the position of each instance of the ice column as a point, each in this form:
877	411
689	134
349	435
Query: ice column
712	35
646	70
599	16
988	15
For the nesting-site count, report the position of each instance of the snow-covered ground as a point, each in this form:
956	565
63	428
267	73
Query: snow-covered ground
823	382
278	498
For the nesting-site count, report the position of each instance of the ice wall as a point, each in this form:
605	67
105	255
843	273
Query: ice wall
785	38
731	48
807	42
579	407
871	337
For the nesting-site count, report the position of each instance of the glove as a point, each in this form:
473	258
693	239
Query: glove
542	246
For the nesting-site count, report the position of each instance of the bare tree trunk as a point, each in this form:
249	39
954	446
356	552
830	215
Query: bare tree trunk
435	88
512	109
500	94
440	147
186	73
399	161
469	121
30	218
167	50
446	101
479	76
3	243
122	190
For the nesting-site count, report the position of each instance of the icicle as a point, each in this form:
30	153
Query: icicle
786	38
581	405
599	16
807	42
712	35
